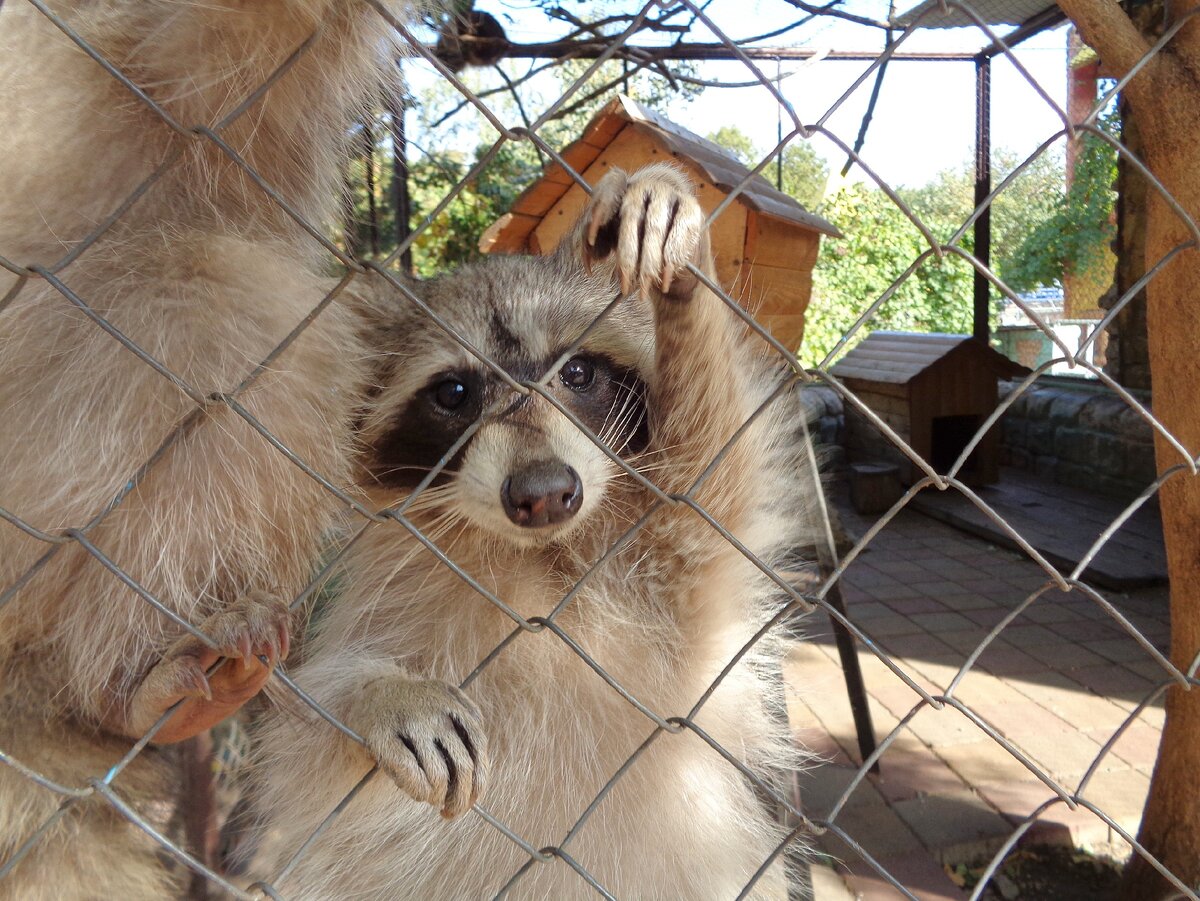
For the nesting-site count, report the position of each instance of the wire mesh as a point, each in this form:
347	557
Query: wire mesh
944	699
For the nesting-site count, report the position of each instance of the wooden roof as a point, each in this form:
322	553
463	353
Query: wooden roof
896	358
721	168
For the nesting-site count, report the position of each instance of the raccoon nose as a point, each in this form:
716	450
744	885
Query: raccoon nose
543	493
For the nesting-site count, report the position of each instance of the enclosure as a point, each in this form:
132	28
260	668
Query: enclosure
989	696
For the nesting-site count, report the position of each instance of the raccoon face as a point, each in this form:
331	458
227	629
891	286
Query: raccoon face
526	473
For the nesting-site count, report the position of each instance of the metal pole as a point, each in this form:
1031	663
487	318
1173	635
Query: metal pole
779	126
983	187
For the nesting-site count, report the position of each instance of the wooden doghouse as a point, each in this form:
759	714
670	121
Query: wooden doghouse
764	242
934	391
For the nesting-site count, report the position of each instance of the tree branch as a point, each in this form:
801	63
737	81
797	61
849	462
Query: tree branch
830	9
1107	30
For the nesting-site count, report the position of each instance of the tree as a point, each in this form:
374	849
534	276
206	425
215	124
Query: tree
804	171
452	238
880	243
438	161
1076	234
737	142
805	174
1025	252
1164	98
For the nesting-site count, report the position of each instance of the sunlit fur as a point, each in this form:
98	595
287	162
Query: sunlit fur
207	274
663	615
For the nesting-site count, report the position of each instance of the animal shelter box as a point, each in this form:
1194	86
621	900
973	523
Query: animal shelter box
934	391
765	243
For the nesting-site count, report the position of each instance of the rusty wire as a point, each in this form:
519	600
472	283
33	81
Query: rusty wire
58	276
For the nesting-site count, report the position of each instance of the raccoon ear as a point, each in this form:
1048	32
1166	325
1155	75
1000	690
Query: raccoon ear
382	321
381	310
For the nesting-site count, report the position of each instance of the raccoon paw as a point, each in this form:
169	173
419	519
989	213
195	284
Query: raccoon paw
427	736
653	222
257	626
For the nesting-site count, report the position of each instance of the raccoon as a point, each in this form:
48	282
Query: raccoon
584	555
126	203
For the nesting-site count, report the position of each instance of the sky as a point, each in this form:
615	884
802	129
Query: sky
924	121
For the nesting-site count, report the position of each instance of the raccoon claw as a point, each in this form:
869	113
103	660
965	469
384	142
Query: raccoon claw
253	629
192	680
654	223
603	219
427	736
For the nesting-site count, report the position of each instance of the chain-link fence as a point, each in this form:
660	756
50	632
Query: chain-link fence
24	588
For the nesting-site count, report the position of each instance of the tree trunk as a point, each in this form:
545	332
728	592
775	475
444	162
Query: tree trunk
1165	97
1171	822
1127	353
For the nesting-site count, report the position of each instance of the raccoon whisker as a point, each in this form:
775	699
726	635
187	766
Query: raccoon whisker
380	474
472	479
433	531
452	519
431	499
437	526
605	429
619	423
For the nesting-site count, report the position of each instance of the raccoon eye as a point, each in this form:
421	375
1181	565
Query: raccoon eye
578	374
450	394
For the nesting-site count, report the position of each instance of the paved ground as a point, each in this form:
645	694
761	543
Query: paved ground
1057	683
1132	557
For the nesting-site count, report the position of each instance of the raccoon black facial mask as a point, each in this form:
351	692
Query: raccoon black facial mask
606	398
426	428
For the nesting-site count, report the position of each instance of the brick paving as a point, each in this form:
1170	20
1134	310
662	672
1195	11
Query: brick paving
1057	683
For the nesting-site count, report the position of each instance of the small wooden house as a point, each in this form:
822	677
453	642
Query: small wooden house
764	242
934	391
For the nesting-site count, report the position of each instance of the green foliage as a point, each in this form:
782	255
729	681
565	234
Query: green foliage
880	244
737	142
949	199
804	174
438	162
1039	232
452	238
1076	235
803	169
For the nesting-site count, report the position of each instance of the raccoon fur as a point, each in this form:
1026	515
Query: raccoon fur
592	565
207	274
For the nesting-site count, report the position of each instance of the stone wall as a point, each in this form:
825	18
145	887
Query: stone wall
1082	435
1072	432
826	422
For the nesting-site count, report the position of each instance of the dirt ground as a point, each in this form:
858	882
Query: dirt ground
1045	873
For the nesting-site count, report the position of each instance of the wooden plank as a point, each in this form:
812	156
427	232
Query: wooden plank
930	350
783	244
918	362
540	198
914	343
508	234
882	365
787	329
861	385
628	151
750	247
775	291
554	224
578	156
728	233
603	127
